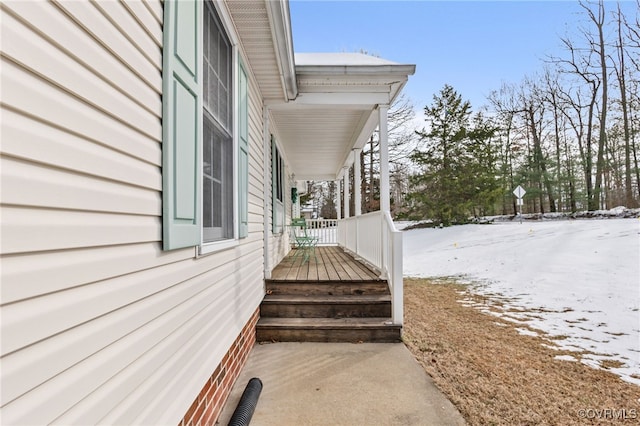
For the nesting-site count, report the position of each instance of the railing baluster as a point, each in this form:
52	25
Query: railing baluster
326	230
382	249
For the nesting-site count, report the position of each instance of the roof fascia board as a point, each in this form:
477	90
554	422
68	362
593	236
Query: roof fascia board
278	12
391	70
396	89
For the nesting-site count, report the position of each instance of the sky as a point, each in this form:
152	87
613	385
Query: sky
573	278
473	46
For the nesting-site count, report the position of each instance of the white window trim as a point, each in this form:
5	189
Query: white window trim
216	246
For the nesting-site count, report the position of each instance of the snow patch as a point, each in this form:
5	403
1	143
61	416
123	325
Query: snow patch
578	281
565	358
526	332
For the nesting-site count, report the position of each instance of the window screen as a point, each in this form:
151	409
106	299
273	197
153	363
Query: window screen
218	167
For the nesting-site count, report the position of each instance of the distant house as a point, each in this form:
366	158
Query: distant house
148	153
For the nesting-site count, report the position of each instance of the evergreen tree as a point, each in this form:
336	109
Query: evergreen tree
458	163
483	168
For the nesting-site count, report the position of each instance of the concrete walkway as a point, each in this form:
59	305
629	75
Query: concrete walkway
341	384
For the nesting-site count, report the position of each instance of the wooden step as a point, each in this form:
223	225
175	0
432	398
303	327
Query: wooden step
330	288
323	306
371	330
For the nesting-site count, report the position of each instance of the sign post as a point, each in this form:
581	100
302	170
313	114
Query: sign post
519	193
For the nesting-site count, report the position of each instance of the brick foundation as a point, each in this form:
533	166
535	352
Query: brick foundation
207	406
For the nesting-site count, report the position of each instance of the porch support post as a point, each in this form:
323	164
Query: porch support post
357	184
338	200
385	201
345	179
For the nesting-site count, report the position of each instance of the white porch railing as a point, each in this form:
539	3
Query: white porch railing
374	238
324	229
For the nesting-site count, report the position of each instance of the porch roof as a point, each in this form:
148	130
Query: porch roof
335	110
321	105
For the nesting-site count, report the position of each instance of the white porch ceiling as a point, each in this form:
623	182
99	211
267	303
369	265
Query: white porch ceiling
317	141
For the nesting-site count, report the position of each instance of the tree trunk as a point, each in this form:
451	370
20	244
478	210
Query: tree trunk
570	178
538	156
621	72
637	165
602	137
558	165
588	161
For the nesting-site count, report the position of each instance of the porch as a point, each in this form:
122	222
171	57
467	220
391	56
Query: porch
331	263
350	290
353	290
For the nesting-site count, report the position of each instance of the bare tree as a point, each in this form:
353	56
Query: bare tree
599	47
534	110
504	103
633	40
621	73
402	140
524	107
552	93
589	65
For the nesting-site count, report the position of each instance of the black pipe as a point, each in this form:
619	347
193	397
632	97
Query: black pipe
247	405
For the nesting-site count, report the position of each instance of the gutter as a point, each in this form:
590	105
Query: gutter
280	19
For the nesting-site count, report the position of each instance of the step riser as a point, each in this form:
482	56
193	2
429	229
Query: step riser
279	310
327	289
390	335
328	305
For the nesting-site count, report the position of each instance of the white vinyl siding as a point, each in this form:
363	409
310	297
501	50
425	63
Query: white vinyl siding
99	324
279	245
243	153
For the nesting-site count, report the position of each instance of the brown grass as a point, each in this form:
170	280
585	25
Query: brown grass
496	376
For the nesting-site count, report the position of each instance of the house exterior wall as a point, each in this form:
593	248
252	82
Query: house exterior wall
99	325
208	405
279	244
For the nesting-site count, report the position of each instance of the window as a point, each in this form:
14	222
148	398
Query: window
217	160
205	140
277	188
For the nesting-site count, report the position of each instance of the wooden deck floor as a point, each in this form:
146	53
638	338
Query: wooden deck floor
333	264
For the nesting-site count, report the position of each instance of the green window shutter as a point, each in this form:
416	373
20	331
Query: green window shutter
181	124
243	153
274	190
277	188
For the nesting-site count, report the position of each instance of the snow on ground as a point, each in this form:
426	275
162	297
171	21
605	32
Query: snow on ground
575	280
